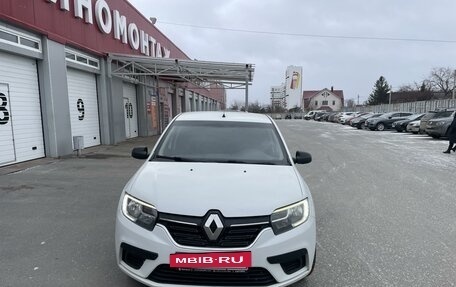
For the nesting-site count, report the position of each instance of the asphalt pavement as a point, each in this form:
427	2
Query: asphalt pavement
57	218
385	204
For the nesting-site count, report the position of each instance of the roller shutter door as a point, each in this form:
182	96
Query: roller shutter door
83	101
21	130
130	111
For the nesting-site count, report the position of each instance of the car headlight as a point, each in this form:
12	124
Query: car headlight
141	213
289	217
440	124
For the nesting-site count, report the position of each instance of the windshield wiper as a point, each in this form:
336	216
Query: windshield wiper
247	162
264	163
174	158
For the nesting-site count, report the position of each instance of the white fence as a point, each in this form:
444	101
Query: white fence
413	107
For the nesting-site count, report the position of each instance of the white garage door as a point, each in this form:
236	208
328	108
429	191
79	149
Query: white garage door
82	94
21	130
130	110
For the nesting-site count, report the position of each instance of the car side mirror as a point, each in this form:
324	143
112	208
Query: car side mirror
140	152
390	118
302	157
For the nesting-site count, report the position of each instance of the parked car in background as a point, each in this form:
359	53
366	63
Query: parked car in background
310	115
385	121
344	116
401	125
288	116
359	122
332	117
297	116
414	127
325	116
424	120
438	126
277	116
354	116
319	116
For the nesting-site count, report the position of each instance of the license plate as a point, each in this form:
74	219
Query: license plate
215	260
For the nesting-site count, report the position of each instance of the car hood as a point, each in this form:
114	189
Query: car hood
400	122
415	122
445	120
234	189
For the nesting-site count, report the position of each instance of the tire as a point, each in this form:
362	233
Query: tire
380	127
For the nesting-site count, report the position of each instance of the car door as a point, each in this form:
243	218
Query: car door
393	118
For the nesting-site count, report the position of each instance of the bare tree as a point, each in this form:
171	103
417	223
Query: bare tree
350	103
442	80
236	106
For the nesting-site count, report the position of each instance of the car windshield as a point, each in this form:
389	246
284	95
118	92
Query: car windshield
414	117
223	142
428	116
444	114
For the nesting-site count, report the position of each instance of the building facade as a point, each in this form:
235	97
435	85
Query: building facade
56	82
326	99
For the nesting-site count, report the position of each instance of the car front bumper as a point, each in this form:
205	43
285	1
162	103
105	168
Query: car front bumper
436	130
371	125
266	245
413	129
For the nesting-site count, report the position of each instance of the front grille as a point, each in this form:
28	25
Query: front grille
254	276
237	232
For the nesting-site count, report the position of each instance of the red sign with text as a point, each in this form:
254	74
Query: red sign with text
211	260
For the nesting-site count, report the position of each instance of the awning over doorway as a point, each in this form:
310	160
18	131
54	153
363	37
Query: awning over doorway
199	73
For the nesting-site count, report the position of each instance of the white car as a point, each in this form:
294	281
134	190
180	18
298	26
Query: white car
345	116
413	127
218	202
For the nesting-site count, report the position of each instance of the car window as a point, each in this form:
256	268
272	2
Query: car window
443	114
428	116
214	141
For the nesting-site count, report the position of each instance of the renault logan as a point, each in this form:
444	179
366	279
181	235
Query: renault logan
218	202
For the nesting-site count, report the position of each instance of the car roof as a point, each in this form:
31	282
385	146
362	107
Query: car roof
224	116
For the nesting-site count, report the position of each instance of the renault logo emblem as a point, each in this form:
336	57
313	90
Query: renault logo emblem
213	227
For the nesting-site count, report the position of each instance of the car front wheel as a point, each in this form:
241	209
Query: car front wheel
380	127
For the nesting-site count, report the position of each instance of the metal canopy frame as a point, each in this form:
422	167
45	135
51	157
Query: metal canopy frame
200	73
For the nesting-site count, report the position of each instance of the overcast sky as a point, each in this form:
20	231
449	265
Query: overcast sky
352	65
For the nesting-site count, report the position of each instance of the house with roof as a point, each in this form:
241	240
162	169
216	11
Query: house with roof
326	99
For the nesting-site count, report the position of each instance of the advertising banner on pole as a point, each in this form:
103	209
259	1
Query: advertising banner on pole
293	87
